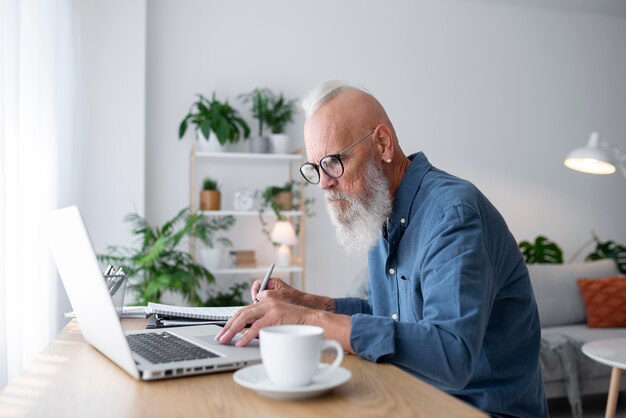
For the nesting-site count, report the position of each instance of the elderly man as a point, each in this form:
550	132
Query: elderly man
450	298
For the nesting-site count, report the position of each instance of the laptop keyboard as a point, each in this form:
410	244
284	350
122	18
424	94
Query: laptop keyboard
165	348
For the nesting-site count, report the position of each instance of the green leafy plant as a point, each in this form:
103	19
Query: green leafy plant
542	251
232	297
209	184
609	249
268	200
215	116
280	112
260	99
156	264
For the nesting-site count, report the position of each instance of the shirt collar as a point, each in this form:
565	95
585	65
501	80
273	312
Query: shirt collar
405	195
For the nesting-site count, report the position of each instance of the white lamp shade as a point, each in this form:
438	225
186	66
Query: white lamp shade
283	233
590	159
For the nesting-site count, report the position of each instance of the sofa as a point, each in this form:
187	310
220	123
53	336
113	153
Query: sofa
564	330
566	371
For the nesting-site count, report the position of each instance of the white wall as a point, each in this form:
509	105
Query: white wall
111	45
495	92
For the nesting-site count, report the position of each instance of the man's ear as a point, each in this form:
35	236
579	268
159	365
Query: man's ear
383	141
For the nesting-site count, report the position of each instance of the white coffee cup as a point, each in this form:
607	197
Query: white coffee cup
291	353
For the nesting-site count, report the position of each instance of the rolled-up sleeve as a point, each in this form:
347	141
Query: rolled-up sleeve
374	346
351	306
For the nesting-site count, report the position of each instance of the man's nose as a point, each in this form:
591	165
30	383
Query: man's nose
326	181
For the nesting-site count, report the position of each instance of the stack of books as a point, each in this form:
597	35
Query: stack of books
243	258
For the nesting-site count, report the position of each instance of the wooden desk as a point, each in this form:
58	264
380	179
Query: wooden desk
72	379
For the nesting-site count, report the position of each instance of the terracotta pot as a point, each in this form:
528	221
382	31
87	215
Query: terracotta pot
284	200
210	199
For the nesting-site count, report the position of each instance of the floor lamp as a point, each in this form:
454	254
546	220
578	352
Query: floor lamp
594	158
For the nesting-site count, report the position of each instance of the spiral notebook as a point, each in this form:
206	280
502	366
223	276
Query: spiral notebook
209	314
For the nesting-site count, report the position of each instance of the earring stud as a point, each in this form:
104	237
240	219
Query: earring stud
388	160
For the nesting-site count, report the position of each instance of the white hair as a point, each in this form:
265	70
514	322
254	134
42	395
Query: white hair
325	91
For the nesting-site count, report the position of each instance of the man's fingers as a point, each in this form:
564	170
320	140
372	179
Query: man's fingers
254	290
251	334
232	327
238	322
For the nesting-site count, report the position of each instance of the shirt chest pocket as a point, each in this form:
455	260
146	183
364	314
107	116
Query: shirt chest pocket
410	297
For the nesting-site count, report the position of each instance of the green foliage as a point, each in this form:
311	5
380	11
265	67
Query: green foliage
269	194
609	249
279	112
268	200
260	99
215	116
542	251
156	264
209	184
232	297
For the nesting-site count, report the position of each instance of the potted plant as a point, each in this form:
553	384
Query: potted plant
280	112
281	198
215	121
541	251
609	249
210	196
156	264
259	98
234	296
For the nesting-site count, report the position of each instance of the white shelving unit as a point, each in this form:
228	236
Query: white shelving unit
298	260
287	213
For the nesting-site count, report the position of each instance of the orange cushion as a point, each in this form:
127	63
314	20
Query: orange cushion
605	301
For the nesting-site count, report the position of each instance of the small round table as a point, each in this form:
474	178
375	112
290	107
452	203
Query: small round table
611	352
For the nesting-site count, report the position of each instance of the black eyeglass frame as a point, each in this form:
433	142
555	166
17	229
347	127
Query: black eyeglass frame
337	156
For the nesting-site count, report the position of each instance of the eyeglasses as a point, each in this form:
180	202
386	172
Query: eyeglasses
330	164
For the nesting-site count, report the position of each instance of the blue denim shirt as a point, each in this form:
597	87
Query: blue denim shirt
450	299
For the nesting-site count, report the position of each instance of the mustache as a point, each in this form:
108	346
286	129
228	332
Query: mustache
331	195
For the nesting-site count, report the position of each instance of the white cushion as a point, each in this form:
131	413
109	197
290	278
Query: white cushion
557	294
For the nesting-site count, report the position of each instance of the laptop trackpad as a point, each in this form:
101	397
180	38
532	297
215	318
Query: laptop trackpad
210	339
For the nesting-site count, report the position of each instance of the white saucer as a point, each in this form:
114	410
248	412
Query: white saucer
255	378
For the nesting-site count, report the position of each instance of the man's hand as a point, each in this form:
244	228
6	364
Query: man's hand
279	290
266	313
276	289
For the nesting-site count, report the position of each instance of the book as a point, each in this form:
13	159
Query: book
208	313
243	258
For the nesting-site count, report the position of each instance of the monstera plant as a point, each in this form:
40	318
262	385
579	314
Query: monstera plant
542	251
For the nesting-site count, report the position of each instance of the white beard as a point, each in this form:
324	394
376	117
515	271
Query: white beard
359	226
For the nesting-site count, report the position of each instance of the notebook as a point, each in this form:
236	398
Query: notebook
209	314
144	354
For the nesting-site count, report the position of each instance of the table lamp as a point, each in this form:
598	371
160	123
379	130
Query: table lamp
593	158
284	234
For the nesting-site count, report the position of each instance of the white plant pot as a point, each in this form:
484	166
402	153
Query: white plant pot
211	258
279	143
210	145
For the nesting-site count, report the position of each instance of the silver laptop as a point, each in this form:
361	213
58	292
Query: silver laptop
145	354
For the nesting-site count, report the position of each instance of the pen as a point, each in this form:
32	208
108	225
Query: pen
117	281
265	280
107	273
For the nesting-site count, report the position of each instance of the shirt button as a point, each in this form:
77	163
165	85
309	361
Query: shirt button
394	317
391	271
402	221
